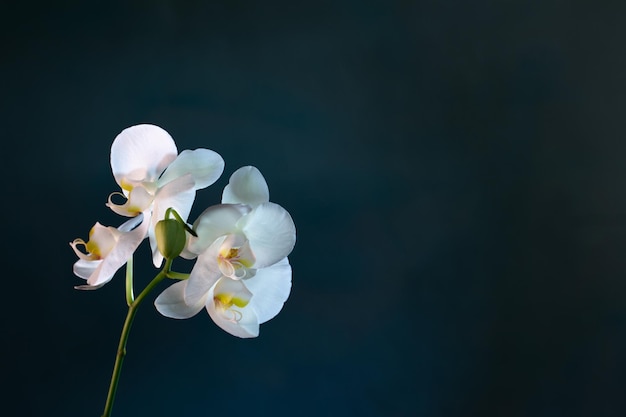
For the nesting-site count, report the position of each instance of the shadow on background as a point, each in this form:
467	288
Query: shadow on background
455	171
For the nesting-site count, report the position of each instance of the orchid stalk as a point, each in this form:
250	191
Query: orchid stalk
164	240
241	275
128	322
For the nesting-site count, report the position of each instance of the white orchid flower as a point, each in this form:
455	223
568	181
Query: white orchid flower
107	250
242	275
237	307
154	177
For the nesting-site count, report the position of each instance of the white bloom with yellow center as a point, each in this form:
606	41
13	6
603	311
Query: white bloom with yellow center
154	177
242	275
107	250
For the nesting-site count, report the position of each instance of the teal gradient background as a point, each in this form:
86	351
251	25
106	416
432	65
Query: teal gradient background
456	172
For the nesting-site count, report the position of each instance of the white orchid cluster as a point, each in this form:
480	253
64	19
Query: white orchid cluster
241	273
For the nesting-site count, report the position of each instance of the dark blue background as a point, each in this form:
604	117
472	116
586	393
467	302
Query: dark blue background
455	171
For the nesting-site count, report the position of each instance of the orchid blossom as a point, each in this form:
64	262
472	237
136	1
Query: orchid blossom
107	250
241	275
154	177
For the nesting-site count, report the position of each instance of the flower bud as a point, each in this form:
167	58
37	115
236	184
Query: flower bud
171	238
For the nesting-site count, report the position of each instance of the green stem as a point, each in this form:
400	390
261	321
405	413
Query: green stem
130	296
176	275
180	220
121	349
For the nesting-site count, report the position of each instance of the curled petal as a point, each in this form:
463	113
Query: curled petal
235	258
204	166
271	233
171	302
271	287
246	186
139	199
82	255
226	268
141	153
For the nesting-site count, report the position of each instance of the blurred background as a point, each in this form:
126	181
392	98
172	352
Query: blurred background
455	171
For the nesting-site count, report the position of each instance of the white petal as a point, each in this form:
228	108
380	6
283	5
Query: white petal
246	186
270	288
141	153
240	322
271	232
204	274
214	222
204	165
102	239
171	302
130	224
84	268
123	250
177	194
186	253
88	287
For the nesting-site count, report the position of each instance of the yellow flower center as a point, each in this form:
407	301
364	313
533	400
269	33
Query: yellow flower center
227	300
233	262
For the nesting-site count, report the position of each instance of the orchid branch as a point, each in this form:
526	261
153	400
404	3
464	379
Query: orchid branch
130	295
121	349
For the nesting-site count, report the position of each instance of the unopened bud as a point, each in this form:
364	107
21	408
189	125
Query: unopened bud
171	238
